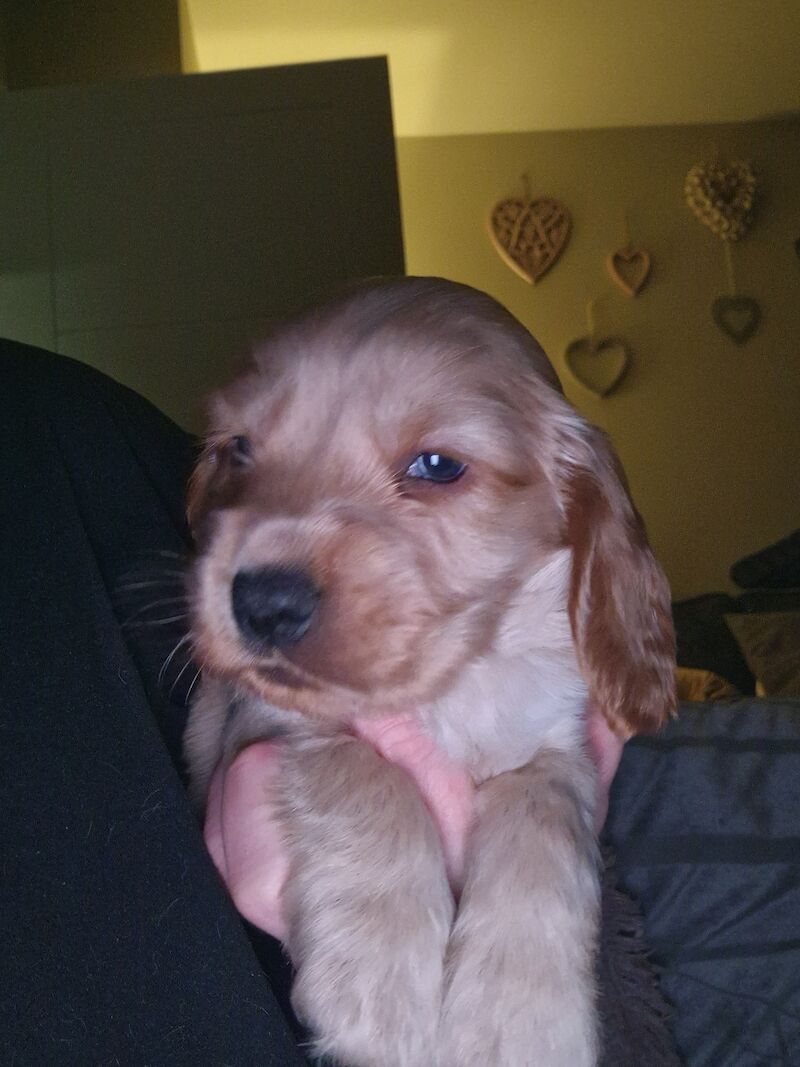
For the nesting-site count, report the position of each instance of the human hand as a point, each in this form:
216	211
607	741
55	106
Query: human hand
242	831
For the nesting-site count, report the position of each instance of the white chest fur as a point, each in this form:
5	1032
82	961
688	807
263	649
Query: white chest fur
526	693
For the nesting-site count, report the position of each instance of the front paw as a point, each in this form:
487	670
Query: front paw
370	908
371	990
519	975
502	1012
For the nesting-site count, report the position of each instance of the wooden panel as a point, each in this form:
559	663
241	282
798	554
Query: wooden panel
62	42
174	366
184	212
232	219
26	312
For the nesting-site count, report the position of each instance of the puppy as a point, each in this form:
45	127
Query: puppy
397	510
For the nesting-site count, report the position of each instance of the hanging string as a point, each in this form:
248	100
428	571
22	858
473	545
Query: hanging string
590	318
626	231
526	187
729	268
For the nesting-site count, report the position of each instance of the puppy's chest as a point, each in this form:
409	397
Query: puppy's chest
501	713
498	715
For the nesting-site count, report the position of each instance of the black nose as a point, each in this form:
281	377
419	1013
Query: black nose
274	606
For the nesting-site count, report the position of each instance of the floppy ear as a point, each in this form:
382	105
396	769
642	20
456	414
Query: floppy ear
619	599
199	491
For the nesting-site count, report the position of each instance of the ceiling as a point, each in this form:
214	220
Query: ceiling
468	66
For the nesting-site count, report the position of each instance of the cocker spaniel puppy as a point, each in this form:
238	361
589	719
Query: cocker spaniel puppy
397	510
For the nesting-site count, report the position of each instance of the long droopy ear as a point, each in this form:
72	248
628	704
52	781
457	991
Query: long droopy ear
619	599
198	488
200	491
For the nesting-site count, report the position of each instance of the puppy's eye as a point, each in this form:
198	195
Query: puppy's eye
434	467
240	451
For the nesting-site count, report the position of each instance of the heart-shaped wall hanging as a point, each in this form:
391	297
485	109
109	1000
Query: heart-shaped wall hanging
529	235
629	268
599	365
737	316
721	196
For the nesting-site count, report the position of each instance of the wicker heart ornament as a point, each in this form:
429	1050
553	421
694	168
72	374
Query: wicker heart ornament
737	316
529	235
600	365
721	196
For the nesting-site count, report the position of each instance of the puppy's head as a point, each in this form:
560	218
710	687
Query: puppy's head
379	488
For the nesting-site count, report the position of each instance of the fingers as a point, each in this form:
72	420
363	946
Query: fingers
241	829
605	748
243	838
212	830
446	788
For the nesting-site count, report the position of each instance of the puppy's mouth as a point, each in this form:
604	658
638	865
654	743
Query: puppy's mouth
270	676
286	677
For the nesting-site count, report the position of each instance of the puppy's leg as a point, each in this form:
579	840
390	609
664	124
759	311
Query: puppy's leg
203	738
368	904
519	982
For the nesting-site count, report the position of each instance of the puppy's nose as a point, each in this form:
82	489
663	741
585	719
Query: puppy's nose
274	606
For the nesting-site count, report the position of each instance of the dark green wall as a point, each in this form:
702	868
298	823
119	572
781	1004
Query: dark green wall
154	228
68	42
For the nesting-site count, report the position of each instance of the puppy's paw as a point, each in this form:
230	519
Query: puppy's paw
371	910
519	982
495	1014
372	993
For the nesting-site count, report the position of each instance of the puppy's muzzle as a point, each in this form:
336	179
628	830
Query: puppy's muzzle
274	607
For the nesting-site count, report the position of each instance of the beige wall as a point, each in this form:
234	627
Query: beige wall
708	430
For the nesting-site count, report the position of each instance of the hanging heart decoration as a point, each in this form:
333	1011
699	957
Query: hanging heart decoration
737	316
598	365
629	268
529	235
721	196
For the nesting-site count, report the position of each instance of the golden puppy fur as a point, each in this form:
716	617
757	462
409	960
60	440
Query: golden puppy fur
491	606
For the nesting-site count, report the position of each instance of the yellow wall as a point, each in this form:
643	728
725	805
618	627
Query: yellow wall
468	66
708	431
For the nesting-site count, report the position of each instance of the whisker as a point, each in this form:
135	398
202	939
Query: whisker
194	682
188	663
157	603
186	638
149	584
154	622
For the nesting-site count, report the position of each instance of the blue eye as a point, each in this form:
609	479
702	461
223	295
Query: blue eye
241	451
433	467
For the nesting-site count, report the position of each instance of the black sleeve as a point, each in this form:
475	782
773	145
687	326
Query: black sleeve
120	945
